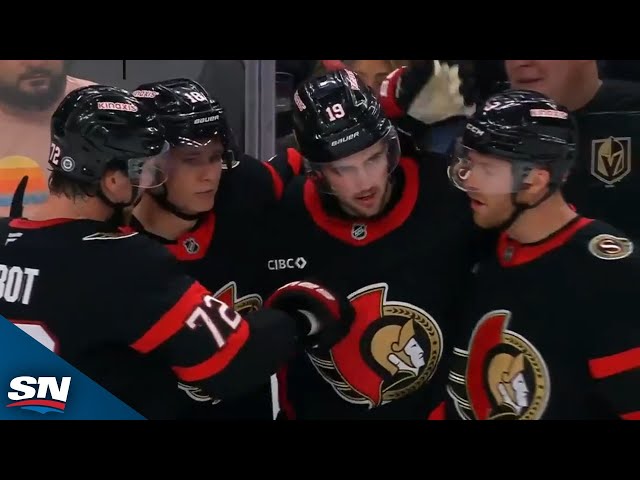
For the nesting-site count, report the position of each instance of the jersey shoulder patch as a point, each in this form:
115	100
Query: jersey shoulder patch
606	246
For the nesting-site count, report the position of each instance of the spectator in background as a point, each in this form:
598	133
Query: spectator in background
490	78
620	70
30	90
372	72
605	182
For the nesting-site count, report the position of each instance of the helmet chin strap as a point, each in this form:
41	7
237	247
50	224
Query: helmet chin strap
520	208
117	218
160	196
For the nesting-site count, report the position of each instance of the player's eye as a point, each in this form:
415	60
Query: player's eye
376	158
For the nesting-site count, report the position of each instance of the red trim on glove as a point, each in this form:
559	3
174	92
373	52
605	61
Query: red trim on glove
388	99
312	290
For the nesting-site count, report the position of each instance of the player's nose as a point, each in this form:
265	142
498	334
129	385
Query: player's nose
211	172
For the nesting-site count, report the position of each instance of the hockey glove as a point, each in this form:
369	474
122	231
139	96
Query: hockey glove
323	318
430	91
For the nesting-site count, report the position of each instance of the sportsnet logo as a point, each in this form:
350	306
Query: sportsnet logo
50	395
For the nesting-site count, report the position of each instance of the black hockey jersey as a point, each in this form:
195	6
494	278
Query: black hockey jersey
605	182
551	331
223	254
118	307
400	271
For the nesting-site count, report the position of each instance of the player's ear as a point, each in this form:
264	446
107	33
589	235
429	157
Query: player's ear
538	181
116	186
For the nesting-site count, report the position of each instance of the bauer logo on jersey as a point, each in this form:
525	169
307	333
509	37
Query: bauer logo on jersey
42	394
392	350
610	247
501	376
611	159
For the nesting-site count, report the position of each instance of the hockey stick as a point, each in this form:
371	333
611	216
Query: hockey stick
18	198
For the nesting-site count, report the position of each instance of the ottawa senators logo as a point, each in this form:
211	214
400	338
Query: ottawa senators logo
393	348
243	305
505	377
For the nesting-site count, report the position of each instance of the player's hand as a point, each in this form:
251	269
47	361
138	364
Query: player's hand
324	318
430	91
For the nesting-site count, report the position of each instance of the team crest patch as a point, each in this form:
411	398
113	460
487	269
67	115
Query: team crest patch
610	247
501	376
392	350
611	159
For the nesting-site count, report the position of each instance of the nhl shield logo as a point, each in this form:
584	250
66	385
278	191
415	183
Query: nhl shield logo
359	231
611	159
191	246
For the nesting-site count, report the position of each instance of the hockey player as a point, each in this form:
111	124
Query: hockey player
550	331
207	213
389	232
116	305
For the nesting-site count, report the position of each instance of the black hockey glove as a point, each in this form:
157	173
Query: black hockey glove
323	318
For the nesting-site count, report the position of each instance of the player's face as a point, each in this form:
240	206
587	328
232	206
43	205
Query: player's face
194	176
32	84
554	78
489	183
360	181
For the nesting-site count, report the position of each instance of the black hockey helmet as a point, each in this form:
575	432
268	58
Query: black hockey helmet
99	127
337	115
188	113
525	128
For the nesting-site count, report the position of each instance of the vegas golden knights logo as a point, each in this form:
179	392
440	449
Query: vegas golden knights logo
501	377
611	159
243	305
393	349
